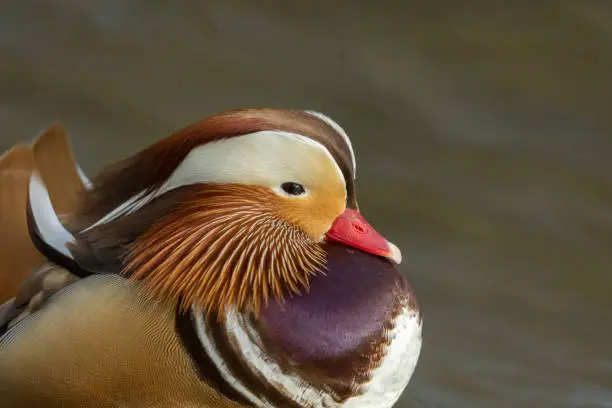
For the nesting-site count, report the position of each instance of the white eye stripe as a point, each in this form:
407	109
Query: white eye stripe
341	132
265	158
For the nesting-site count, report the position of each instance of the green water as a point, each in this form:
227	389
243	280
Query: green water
483	138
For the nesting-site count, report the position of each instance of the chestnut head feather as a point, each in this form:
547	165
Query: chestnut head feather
225	213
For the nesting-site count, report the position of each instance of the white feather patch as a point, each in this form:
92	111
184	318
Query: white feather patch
49	226
267	158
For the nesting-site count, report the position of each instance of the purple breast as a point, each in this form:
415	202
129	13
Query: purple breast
349	306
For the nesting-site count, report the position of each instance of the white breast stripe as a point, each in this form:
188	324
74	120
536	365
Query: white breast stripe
382	391
211	349
251	351
392	376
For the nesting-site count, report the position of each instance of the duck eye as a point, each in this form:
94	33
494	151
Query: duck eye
292	188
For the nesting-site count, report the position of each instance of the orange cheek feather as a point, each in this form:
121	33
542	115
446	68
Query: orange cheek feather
313	214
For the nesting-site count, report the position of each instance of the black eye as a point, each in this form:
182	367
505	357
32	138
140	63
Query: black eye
292	188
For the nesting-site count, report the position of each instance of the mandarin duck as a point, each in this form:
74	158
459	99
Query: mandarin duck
227	265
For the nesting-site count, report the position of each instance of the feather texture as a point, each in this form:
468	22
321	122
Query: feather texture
224	246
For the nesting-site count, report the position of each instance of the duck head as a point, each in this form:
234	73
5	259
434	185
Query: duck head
228	212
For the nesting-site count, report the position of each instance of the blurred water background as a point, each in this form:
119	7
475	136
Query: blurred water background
483	136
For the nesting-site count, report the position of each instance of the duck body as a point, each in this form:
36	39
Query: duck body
100	343
146	336
106	343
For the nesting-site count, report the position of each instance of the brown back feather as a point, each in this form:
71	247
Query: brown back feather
17	253
52	156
